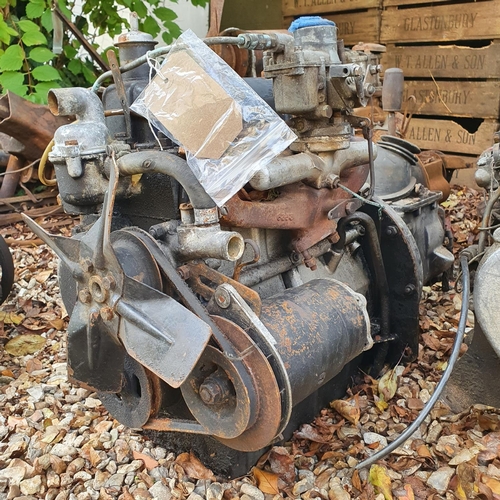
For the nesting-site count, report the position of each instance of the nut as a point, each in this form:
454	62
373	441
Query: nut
107	313
84	295
87	266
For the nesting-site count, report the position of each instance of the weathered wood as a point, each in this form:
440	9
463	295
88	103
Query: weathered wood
449	136
448	61
397	3
463	21
450	98
308	7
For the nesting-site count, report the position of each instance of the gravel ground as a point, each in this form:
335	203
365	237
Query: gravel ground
58	442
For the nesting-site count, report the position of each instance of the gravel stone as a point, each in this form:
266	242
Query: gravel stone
252	491
440	479
159	491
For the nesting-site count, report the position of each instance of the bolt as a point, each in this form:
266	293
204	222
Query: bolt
295	257
87	266
222	298
146	164
84	295
107	313
184	272
108	282
391	231
409	289
215	388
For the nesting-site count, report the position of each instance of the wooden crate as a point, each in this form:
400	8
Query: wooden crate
440	22
317	7
466	99
448	61
449	136
353	27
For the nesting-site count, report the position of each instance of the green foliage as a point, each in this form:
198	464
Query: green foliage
29	68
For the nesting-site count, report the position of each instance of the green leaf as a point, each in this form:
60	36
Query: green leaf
46	73
167	37
140	7
21	90
69	51
28	26
34	10
75	66
165	14
64	9
43	88
12	59
150	26
34	38
88	74
41	54
11	80
3	3
46	20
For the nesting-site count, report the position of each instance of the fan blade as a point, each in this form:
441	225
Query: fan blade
95	355
160	333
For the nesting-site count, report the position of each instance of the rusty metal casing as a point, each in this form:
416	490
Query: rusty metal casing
319	327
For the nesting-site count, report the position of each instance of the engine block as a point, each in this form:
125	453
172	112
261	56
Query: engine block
228	325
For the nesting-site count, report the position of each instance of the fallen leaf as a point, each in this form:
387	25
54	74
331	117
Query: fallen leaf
309	432
43	276
379	478
58	324
193	467
33	365
7	373
283	464
24	344
409	493
10	318
388	385
423	451
493	484
149	462
348	408
267	482
356	480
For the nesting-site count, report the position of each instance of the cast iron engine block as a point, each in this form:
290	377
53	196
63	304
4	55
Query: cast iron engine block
223	328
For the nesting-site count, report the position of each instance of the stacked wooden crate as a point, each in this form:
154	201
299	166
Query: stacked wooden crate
450	55
357	20
449	52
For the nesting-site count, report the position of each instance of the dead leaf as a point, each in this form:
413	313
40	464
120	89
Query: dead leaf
493	484
309	432
149	462
356	480
267	482
58	324
379	478
388	385
193	467
33	365
423	451
283	464
24	344
10	318
348	408
409	493
43	276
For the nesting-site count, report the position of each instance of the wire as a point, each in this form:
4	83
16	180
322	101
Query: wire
444	379
42	165
364	200
19	169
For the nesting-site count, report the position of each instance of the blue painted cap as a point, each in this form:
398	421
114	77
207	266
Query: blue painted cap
308	21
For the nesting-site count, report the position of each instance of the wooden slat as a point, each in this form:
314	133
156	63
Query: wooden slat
308	7
397	3
463	21
448	61
449	136
466	99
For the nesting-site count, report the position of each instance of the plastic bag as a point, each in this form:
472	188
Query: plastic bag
226	129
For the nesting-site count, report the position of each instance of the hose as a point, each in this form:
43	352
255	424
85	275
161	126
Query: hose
444	379
42	165
161	51
483	235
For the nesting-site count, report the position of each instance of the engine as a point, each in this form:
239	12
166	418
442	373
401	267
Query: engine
222	327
